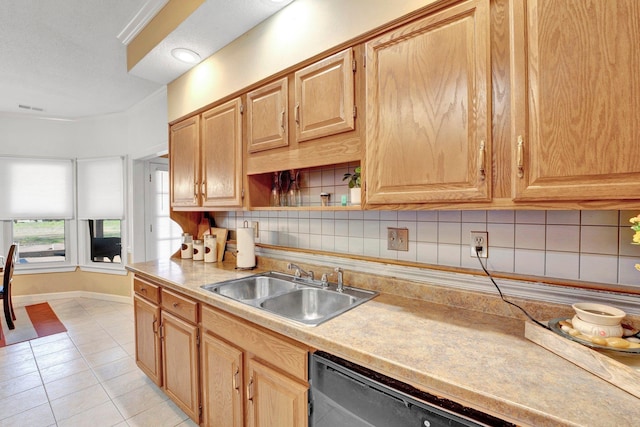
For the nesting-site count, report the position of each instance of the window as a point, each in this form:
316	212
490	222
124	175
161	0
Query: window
39	241
105	240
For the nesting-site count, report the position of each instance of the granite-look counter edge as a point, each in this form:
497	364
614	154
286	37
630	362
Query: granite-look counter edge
478	360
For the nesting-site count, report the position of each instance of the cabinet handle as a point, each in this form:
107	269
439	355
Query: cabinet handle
481	156
298	113
175	305
519	156
195	191
143	289
235	379
161	330
154	326
203	188
282	119
250	390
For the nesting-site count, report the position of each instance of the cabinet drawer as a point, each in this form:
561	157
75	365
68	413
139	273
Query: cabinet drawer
180	306
278	352
146	290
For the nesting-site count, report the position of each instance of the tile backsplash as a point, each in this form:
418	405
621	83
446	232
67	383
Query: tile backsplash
590	246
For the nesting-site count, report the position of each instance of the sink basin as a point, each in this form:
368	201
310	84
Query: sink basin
309	305
252	288
296	299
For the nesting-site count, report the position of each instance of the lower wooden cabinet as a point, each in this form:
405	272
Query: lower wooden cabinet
273	398
180	363
222	383
249	376
220	370
147	323
167	341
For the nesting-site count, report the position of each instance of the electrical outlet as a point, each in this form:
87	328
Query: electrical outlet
476	239
397	239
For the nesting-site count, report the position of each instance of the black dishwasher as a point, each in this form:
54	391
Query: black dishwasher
343	394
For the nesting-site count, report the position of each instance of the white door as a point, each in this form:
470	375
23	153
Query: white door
162	234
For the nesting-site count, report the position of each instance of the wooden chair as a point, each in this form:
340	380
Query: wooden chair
5	291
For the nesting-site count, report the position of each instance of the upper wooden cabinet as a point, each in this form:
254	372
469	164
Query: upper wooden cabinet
184	162
575	85
306	119
428	97
267	117
205	159
222	155
324	97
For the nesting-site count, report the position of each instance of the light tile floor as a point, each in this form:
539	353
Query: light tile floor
86	376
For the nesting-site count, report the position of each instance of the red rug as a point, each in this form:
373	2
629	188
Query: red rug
39	318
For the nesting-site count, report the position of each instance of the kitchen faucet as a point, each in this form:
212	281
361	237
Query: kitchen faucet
340	283
299	271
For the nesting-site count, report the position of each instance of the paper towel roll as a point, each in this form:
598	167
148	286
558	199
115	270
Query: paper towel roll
246	248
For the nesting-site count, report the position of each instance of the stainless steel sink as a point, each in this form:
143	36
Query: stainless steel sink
253	288
302	300
310	305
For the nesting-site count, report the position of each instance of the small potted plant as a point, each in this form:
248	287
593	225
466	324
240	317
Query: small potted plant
354	185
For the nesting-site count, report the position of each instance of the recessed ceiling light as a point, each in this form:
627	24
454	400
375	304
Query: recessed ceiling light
185	55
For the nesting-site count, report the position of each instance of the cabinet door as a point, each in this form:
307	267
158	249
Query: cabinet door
222	155
324	98
180	363
274	399
577	109
147	324
428	87
222	382
267	115
184	162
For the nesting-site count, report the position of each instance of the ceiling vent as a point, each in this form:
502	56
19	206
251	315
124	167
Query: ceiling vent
29	107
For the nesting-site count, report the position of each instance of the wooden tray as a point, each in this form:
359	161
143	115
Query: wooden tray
622	371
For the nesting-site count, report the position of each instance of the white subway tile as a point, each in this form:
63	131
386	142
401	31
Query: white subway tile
342	244
356	228
328	242
501	235
407	216
410	255
371	247
427	216
596	239
371	215
328	227
341	227
530	236
371	229
503	217
599	268
449	232
427	232
474	216
427	252
627	273
315	241
500	259
449	216
563	238
356	245
529	261
563	265
563	217
449	254
599	217
530	217
389	215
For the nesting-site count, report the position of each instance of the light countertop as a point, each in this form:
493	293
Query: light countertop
479	360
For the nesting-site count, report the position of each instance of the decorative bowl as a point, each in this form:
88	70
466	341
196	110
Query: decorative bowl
592	329
598	314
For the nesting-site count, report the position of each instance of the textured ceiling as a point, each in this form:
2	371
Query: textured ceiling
63	56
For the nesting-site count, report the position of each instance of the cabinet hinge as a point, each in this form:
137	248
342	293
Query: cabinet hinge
364	60
355	111
353	65
310	409
149	177
198	338
241	108
200	412
242	195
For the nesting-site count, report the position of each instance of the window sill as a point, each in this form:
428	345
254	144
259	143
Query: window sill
106	269
38	269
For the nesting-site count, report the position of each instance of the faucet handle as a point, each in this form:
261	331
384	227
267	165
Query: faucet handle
324	280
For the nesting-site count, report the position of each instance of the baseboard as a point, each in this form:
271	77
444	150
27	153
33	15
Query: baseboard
37	298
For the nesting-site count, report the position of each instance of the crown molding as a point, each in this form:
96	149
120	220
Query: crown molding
140	20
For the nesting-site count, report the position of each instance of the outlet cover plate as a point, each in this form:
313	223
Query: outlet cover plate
479	238
397	239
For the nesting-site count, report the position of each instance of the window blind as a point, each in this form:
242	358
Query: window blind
101	188
36	188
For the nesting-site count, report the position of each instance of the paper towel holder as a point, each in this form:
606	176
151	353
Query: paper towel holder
244	260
